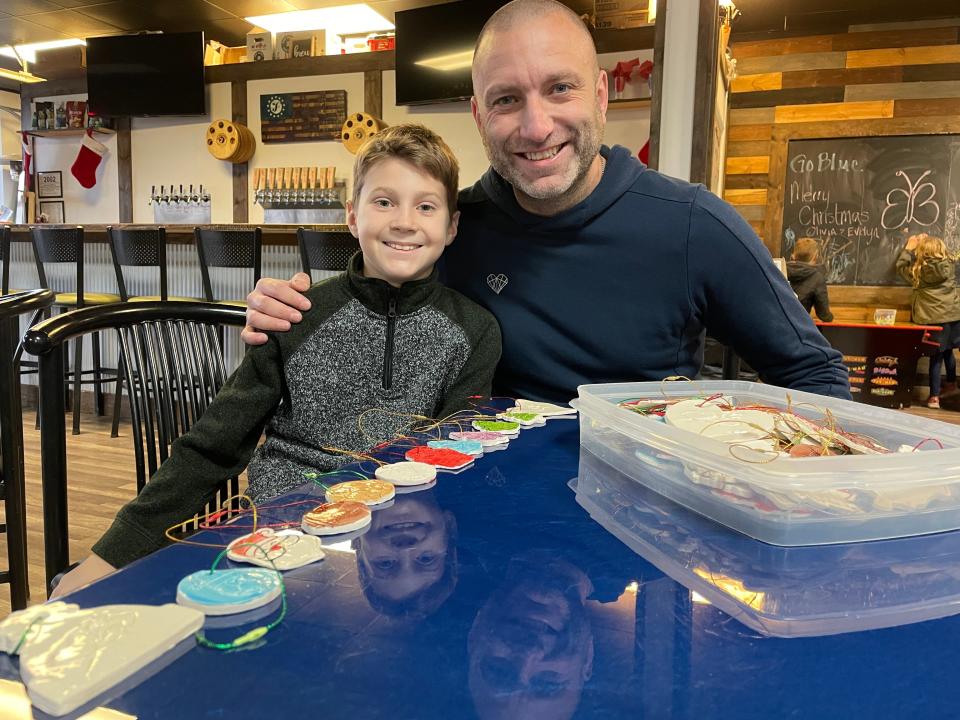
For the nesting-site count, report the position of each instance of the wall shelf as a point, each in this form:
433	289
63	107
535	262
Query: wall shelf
66	132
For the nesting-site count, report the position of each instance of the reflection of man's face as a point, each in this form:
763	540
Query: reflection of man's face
531	648
405	550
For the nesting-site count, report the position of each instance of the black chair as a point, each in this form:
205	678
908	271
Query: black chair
138	247
64	245
174	368
328	250
228	248
12	488
5	259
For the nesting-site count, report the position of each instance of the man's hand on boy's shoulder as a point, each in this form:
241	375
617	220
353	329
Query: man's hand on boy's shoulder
273	305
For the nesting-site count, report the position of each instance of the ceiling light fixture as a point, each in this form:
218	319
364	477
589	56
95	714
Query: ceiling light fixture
21	76
341	20
29	51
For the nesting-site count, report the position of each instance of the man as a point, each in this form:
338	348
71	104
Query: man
597	268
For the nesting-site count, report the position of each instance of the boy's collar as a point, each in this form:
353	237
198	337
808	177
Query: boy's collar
375	293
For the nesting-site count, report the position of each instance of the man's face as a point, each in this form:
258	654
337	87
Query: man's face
540	109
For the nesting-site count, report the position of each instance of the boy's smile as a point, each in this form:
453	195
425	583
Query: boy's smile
402	221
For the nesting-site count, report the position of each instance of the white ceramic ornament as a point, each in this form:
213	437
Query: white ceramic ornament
284	550
228	591
467	447
487	439
408	472
524	419
70	656
548	410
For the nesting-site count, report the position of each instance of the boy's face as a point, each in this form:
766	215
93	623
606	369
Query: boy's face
402	221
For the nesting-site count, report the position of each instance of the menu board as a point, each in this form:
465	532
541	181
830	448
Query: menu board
863	197
302	117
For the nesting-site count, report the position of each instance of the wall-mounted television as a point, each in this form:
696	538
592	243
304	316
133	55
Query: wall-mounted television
434	46
146	74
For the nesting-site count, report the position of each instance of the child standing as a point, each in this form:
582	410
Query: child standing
808	279
384	335
926	265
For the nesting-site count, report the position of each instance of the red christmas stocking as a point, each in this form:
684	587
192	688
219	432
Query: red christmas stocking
27	159
84	168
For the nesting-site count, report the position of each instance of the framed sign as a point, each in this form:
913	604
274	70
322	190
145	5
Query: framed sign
50	184
53	210
302	117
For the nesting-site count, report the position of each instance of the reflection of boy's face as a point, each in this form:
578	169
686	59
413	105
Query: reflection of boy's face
405	550
531	651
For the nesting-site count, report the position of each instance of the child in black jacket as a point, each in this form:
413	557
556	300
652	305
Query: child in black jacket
808	279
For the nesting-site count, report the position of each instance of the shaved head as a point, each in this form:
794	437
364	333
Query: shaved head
519	12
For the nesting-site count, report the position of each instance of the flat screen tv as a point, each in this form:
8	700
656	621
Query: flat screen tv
434	46
147	74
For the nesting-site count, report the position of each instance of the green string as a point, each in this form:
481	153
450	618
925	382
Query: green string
257	632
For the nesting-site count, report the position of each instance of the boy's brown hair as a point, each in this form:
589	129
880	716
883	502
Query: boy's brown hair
418	145
806	250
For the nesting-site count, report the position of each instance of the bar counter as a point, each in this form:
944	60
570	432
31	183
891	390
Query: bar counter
183	234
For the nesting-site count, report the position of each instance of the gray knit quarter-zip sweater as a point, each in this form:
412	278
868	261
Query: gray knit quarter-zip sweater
365	348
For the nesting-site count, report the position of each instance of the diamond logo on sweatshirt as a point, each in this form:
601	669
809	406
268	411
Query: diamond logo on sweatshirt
497	282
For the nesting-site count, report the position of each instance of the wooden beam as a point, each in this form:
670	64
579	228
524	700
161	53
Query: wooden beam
704	92
300	67
656	102
238	112
373	93
124	170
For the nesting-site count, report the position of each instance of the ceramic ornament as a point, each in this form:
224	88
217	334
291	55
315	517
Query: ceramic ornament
525	419
443	458
548	410
336	518
70	656
369	492
467	447
407	473
487	439
284	550
504	427
229	591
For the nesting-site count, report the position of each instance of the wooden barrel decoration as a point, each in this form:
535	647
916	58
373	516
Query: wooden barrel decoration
230	141
359	128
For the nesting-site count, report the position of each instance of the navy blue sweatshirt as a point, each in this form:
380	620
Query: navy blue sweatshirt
623	286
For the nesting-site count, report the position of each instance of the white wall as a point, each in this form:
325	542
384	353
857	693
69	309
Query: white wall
679	84
300	154
171	150
99	204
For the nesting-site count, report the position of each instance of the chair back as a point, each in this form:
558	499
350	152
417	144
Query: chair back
228	248
12	490
139	247
5	255
64	245
173	365
328	250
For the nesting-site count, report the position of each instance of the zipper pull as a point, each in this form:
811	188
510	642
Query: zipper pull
392	305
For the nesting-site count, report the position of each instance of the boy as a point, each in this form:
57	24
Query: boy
384	335
808	280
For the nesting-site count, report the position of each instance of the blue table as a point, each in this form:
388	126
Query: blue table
496	595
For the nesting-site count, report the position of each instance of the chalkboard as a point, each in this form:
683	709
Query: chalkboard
863	197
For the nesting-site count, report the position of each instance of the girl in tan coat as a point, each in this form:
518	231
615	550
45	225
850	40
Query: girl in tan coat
925	263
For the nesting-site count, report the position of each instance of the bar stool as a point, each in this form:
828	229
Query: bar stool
325	250
141	247
6	256
53	244
228	248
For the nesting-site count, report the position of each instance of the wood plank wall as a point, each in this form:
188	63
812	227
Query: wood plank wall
867	74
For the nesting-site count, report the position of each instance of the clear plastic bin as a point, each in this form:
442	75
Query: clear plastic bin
789	501
785	592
